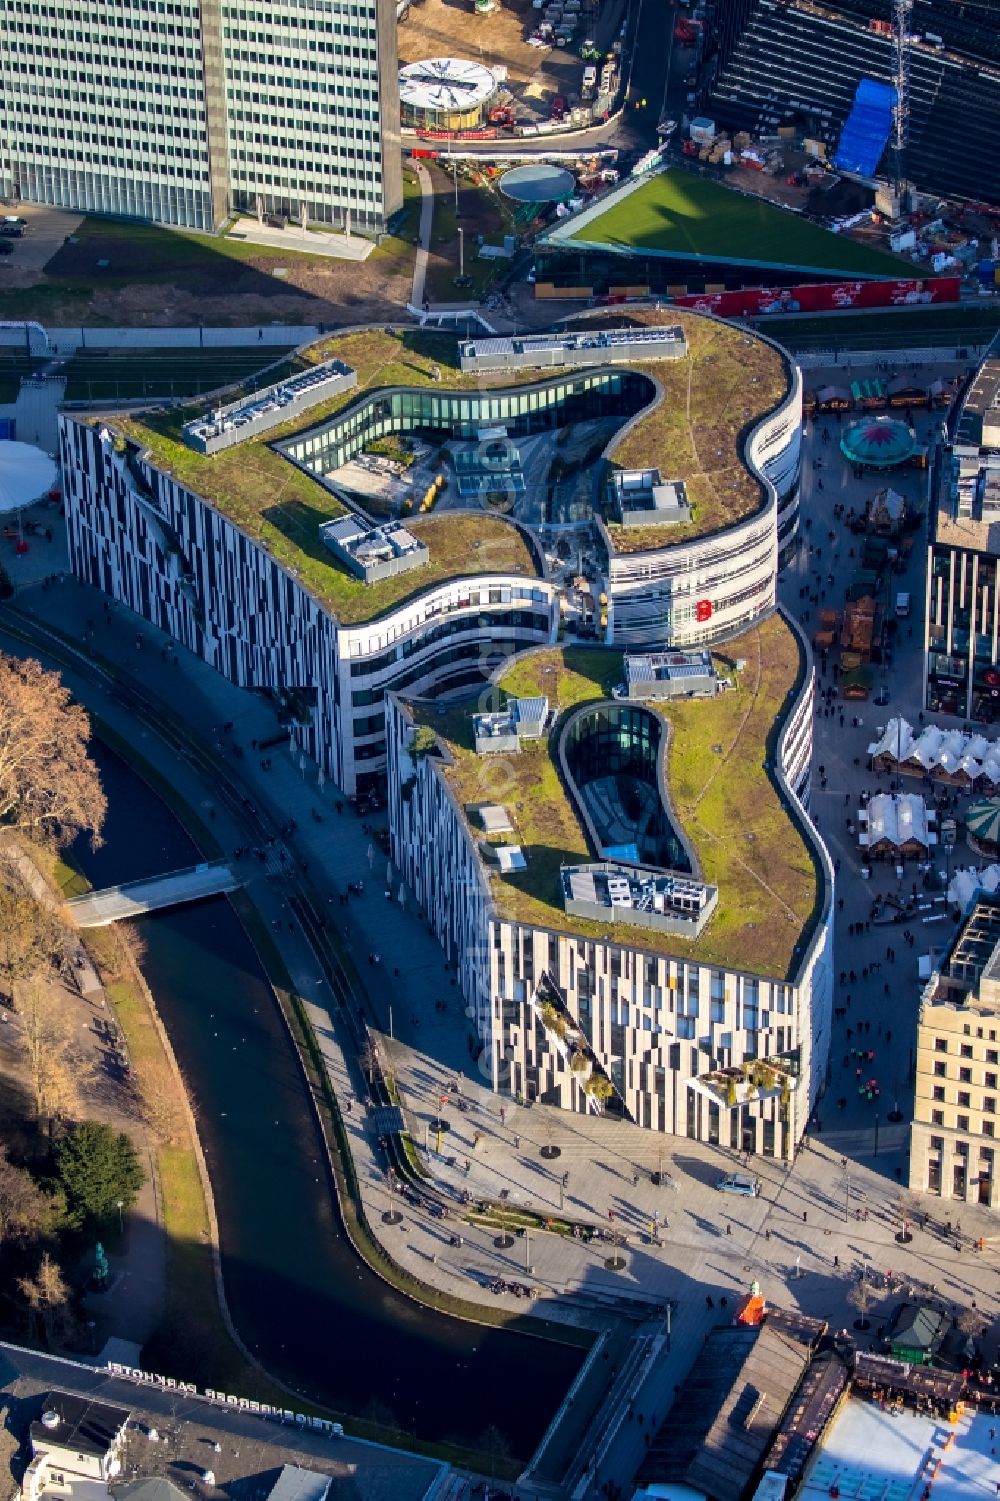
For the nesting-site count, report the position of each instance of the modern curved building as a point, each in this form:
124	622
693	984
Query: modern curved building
258	559
241	577
638	928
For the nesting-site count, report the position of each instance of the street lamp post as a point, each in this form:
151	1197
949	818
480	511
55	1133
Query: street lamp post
461	253
121	1215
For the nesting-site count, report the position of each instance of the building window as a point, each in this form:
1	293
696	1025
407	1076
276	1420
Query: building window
937	1117
941	1044
939	1092
966	1048
965	1075
988	1128
962	1123
937	1143
990	1081
940	1070
964	1100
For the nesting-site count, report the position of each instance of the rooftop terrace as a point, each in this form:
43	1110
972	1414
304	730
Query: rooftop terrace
725	802
727	381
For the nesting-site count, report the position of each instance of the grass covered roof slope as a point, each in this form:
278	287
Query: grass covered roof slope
725	800
678	213
710	398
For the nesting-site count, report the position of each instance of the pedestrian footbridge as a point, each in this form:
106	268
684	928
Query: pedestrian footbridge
97	909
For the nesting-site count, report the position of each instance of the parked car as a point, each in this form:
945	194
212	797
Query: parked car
738	1183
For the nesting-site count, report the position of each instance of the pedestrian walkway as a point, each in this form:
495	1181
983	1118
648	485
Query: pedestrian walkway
128	1310
817	1225
67	338
419	292
97	909
682	1245
298	241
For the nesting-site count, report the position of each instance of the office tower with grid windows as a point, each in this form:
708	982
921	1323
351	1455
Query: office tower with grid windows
185	111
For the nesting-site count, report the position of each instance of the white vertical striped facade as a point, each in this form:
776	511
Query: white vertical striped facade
146	540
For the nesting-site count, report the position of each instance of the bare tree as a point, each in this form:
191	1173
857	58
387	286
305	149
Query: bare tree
493	1444
33	938
57	1073
859	1297
49	786
972	1322
908	1210
22	1204
47	1297
162	1107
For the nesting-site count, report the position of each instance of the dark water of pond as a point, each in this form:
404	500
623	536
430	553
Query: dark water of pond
301	1299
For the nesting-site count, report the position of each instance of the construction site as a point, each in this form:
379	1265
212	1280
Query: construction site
554	61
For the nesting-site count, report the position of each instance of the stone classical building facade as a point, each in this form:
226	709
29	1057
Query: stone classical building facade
953	1139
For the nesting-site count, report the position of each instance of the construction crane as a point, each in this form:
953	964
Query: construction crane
902	10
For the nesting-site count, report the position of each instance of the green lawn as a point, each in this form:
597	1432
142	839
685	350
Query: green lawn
680	213
97	276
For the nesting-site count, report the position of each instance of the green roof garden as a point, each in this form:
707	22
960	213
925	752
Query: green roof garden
727	381
727	804
679	213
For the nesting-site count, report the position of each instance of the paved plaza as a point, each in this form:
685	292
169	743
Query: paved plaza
690	1249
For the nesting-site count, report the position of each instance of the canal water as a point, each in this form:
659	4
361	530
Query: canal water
301	1299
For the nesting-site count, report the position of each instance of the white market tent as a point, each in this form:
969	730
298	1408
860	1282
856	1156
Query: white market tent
966	882
27	474
896	819
949	754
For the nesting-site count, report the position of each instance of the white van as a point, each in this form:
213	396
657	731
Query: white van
902	604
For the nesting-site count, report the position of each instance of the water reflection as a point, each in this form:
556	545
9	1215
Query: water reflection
312	1312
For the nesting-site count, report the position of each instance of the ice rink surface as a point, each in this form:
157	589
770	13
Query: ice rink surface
872	1455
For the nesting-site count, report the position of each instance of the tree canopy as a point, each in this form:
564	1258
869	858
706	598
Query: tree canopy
97	1166
49	786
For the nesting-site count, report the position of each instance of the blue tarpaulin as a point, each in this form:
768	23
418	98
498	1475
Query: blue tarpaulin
866	128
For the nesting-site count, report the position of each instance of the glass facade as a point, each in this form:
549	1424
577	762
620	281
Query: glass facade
179	111
104	108
522	410
303	102
605	272
613	755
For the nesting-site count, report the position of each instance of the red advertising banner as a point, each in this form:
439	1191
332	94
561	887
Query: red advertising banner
824	297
